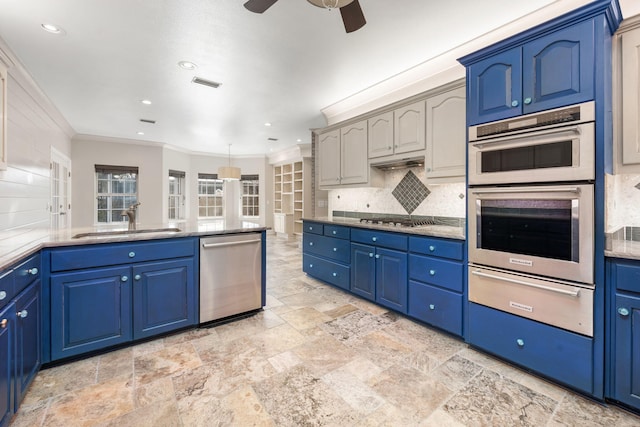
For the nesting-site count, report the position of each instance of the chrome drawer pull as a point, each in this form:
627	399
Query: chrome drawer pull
22	314
575	293
33	271
244	242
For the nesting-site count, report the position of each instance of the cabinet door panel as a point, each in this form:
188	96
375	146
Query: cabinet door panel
90	310
391	279
164	297
7	372
558	69
495	87
626	382
329	158
28	339
446	135
363	271
353	161
630	57
381	135
408	128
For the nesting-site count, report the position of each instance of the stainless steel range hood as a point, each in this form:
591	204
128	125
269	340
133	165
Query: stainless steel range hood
398	163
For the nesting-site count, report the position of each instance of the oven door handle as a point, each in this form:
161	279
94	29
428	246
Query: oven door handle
574	294
529	137
528	190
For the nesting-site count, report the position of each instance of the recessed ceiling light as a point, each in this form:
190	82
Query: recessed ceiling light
267	124
187	65
146	102
140	133
298	140
52	28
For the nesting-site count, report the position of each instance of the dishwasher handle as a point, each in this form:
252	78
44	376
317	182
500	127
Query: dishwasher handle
220	245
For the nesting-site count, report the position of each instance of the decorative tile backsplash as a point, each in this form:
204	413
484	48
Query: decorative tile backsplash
623	200
410	192
444	200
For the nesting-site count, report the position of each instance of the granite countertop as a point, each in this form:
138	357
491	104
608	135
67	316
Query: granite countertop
18	244
436	230
623	243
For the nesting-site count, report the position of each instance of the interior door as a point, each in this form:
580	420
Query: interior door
60	183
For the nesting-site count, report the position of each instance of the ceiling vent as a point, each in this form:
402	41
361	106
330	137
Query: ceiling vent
205	82
153	122
272	139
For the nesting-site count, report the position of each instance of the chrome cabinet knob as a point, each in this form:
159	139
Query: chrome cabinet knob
432	272
432	307
310	265
4	323
623	311
3	295
32	271
370	254
377	256
333	232
335	274
514	103
432	248
137	277
520	342
124	278
335	249
375	239
310	243
527	101
22	314
132	254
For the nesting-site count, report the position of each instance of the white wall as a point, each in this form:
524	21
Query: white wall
87	151
33	127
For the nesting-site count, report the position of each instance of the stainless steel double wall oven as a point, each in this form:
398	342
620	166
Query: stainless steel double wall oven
531	216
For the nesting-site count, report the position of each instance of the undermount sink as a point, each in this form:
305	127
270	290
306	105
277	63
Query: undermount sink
125	232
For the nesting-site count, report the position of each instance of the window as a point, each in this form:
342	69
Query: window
176	194
116	190
210	196
250	195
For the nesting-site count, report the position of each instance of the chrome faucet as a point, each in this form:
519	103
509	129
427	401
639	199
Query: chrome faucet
131	215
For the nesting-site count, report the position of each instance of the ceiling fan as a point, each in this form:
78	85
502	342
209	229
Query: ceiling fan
350	10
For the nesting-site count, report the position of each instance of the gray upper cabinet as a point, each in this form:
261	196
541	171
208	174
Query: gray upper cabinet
381	135
446	136
353	162
408	128
627	90
342	155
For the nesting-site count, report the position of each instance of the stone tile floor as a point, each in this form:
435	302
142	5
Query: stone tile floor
314	356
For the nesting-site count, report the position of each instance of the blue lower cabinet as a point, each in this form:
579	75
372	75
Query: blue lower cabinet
328	271
562	355
441	308
90	310
28	338
363	271
391	279
626	357
164	297
7	365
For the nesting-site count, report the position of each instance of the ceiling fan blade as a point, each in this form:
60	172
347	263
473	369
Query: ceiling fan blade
352	16
259	6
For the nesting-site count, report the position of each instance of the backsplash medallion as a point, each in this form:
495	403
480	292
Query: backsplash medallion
410	192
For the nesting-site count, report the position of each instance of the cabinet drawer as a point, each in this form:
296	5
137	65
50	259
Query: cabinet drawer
441	272
380	238
438	307
337	231
26	273
436	247
6	287
88	256
628	276
313	227
559	354
328	271
328	247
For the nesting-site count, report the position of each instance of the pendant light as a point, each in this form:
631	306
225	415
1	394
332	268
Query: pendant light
228	172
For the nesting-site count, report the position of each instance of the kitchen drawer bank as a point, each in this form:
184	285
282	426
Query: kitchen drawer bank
98	296
417	275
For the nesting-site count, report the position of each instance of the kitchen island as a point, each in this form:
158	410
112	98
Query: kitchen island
71	293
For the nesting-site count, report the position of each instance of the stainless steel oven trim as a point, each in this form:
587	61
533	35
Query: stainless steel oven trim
558	303
583	149
582	219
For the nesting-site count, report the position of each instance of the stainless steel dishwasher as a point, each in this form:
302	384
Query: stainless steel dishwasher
230	275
